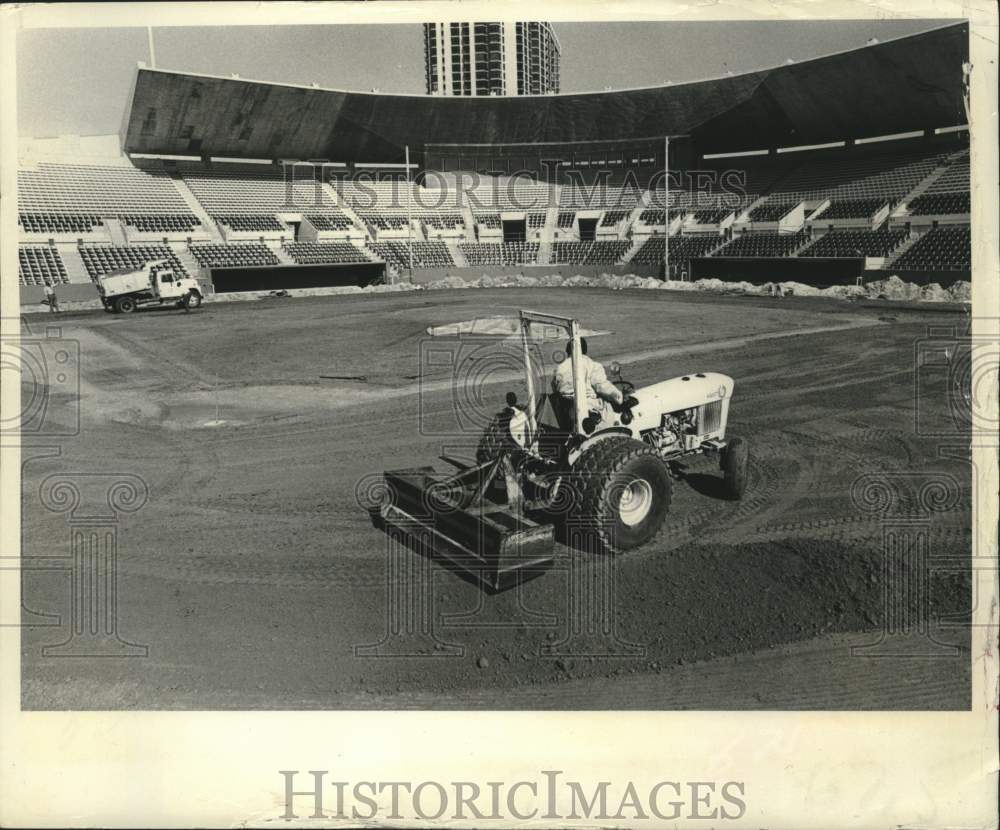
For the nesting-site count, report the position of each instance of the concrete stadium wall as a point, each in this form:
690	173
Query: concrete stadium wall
472	273
806	270
274	277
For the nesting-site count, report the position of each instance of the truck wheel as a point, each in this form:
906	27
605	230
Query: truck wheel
622	494
192	300
125	305
735	462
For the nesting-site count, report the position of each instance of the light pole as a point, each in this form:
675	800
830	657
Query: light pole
666	208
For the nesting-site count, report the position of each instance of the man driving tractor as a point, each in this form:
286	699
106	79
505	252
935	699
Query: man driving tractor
599	390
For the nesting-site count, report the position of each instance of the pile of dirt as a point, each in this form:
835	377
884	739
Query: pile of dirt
892	288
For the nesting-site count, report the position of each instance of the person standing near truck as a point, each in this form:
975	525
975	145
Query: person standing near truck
51	299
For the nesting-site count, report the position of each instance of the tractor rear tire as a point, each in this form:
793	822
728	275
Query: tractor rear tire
735	463
125	305
622	494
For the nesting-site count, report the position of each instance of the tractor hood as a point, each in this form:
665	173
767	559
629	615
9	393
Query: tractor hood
679	393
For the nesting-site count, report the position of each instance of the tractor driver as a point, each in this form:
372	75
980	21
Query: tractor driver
599	390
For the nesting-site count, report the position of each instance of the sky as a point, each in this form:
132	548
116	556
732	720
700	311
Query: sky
76	81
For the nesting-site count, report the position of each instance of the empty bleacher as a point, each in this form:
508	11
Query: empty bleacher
682	248
316	253
712	216
944	248
100	259
614	217
79	190
758	244
500	254
445	222
860	174
383	222
40	266
853	208
330	222
565	219
856	243
940	204
516	193
162	223
256	193
58	222
245	223
600	252
233	255
599	197
425	254
769	212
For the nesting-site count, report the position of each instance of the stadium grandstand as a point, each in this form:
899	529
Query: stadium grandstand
206	175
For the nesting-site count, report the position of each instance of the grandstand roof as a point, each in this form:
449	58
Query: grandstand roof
899	85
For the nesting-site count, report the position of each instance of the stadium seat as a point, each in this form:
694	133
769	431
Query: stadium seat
948	249
500	254
100	259
763	245
251	224
682	248
314	253
940	204
425	254
601	252
853	208
40	266
58	222
855	243
234	255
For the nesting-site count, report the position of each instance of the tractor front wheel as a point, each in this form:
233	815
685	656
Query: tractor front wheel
622	494
735	463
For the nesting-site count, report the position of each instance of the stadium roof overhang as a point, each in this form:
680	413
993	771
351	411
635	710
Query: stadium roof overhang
905	84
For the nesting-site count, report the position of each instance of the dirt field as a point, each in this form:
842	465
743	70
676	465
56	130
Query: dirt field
256	580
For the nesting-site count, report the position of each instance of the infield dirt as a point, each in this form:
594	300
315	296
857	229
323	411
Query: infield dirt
254	576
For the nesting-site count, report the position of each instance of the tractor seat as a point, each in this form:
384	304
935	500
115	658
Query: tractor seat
562	408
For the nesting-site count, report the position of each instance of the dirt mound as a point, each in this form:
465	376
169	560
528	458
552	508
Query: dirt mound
892	288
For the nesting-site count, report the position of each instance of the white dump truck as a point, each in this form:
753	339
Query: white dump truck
156	283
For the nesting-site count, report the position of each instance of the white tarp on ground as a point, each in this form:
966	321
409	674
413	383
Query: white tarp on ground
503	327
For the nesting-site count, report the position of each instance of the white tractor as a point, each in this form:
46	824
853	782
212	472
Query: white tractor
541	461
155	283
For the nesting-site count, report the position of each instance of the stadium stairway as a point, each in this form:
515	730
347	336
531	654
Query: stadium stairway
637	243
196	208
908	243
346	208
115	232
187	259
633	217
76	271
922	186
470	221
548	232
806	244
456	254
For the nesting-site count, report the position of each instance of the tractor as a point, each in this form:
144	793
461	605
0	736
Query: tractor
548	461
